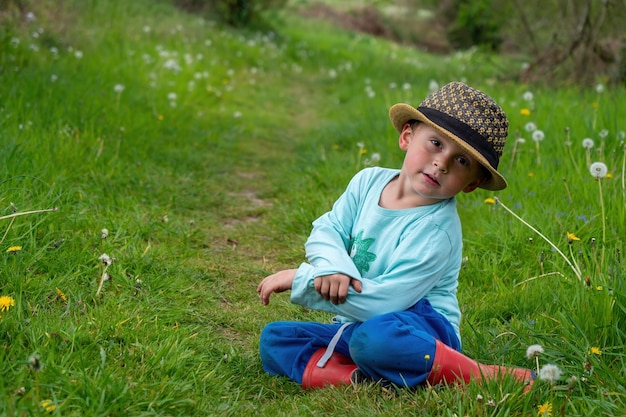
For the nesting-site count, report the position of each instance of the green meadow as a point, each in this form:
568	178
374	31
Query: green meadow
155	166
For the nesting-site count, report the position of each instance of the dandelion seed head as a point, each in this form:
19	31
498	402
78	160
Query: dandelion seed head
533	351
587	143
34	362
598	170
530	127
550	373
528	96
603	133
599	88
118	88
538	135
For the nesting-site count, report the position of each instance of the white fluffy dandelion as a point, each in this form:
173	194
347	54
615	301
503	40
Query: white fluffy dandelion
550	373
530	127
538	135
598	169
528	96
588	143
533	351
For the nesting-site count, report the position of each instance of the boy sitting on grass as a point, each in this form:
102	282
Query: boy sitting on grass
386	258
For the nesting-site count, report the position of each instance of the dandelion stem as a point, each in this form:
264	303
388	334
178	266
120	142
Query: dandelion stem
569	194
624	172
603	225
576	271
102	280
23	213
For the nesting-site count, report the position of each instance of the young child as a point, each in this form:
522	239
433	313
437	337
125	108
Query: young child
386	258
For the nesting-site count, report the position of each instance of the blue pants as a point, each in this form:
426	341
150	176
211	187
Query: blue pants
396	347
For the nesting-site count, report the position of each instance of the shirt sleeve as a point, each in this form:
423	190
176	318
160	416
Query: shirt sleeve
420	266
328	244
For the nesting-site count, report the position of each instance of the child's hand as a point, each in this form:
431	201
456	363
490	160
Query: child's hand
278	282
335	287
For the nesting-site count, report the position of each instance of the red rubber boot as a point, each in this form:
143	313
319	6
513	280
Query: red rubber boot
337	371
451	366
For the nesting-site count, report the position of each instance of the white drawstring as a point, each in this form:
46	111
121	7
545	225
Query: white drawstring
331	346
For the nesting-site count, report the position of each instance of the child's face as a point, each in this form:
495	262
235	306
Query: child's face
435	166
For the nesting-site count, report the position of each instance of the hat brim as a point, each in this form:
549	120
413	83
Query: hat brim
402	113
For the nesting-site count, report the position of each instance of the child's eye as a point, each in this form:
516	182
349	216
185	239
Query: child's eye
463	161
435	142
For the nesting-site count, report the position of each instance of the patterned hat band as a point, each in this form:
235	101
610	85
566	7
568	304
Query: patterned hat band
462	130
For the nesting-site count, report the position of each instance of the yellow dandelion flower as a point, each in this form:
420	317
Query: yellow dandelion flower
599	288
363	151
594	351
427	357
544	409
61	295
608	175
571	237
490	200
531	174
595	105
524	112
160	117
6	302
14	249
48	406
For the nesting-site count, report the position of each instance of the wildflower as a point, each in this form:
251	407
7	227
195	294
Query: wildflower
490	200
6	302
544	409
530	127
433	85
34	362
599	288
104	233
48	406
106	259
603	133
533	351
538	135
594	350
78	54
571	237
599	88
61	295
598	169
528	96
587	143
14	249
521	141
595	105
118	88
608	175
524	112
550	373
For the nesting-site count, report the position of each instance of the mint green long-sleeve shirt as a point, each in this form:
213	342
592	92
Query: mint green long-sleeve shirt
400	256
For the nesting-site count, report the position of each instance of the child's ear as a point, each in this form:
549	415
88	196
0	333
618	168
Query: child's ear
405	137
473	185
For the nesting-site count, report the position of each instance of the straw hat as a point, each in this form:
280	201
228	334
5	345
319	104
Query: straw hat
467	116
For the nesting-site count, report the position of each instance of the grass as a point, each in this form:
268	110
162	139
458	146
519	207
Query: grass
208	162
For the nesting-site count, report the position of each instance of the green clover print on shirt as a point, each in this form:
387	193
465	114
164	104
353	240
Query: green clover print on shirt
359	252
